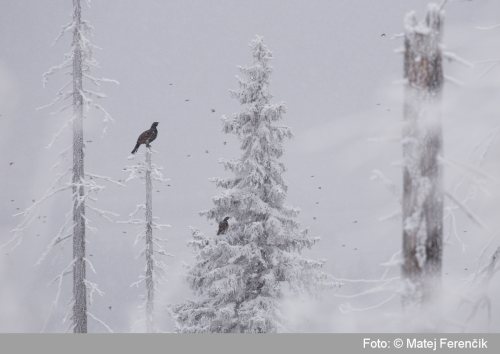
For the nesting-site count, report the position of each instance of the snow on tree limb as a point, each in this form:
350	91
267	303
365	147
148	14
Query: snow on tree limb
472	171
471	181
390	185
469	213
477	292
29	215
453	80
488	28
453	57
101	322
59	279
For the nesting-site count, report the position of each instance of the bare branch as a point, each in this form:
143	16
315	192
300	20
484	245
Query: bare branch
467	211
101	322
488	28
66	28
454	81
390	185
59	279
105	178
59	132
453	57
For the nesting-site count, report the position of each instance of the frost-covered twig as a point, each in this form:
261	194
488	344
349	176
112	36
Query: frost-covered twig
59	238
59	280
453	57
106	214
443	4
488	28
105	178
469	213
470	169
453	80
477	295
389	184
28	217
384	284
92	288
101	322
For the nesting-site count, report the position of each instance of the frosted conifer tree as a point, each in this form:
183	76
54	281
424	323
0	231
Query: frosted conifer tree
153	249
241	275
75	95
422	146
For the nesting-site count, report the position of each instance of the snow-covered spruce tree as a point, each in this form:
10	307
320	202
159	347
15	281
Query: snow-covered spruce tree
83	185
153	248
241	275
422	200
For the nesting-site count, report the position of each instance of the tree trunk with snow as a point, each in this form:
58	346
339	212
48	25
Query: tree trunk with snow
76	96
422	147
79	276
149	246
153	250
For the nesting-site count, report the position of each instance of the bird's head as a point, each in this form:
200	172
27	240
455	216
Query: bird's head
226	218
154	125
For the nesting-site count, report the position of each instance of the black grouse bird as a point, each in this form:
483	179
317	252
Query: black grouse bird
223	226
146	137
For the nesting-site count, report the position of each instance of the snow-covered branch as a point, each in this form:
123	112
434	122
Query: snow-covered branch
59	279
453	57
488	28
469	213
101	322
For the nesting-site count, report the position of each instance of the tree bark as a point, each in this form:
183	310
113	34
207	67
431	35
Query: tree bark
422	147
79	271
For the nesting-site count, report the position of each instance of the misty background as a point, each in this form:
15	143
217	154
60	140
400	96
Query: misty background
336	69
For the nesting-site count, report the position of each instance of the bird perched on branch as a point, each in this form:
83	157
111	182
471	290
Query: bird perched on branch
146	137
223	226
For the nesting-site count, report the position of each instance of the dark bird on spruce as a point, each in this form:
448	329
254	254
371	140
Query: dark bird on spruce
223	226
146	137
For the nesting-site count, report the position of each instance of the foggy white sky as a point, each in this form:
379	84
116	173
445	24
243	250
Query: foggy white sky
333	69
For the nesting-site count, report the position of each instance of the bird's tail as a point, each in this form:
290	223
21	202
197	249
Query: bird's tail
136	148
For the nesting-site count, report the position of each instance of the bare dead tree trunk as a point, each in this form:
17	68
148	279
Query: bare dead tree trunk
149	246
152	249
422	147
79	271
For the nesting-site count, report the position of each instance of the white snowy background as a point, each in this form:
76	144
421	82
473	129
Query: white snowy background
334	67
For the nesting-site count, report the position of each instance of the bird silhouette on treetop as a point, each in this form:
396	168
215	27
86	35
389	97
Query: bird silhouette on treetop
147	137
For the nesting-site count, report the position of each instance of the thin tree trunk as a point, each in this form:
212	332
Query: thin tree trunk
149	246
79	271
422	172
